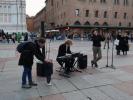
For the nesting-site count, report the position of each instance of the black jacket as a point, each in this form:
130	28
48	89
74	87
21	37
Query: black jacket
62	50
27	56
97	40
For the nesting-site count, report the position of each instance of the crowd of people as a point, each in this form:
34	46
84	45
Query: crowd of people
14	37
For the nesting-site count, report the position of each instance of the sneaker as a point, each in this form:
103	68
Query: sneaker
33	84
49	84
26	86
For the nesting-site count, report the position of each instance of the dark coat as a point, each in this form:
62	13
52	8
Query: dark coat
27	56
97	40
62	50
124	45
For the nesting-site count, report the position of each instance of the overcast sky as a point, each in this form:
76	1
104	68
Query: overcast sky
34	6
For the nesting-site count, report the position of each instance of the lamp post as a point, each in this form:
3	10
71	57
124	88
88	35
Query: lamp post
43	28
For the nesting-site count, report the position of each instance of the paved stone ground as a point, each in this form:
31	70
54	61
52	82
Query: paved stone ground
91	84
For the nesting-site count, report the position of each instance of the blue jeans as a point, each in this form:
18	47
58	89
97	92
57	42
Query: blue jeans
26	73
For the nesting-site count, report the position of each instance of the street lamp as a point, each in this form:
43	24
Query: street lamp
43	28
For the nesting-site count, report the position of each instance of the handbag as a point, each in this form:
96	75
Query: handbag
116	42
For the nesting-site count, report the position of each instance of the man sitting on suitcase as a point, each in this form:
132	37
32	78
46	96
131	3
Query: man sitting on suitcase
62	58
27	52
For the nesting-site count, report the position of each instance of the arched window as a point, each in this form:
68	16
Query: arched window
105	24
96	24
120	24
129	24
77	23
87	23
67	23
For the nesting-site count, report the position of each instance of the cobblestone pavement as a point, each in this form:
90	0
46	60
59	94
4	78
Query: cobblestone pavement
92	84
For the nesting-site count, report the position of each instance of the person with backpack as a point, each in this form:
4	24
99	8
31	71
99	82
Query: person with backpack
27	51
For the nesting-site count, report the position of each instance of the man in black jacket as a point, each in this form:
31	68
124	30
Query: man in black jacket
63	50
26	59
97	54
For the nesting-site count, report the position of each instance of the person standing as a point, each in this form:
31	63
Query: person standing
26	37
26	59
13	37
97	54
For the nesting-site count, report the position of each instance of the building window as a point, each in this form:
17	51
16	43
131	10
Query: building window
52	2
77	12
125	2
5	18
94	1
1	17
0	8
62	2
116	2
5	9
103	1
57	4
120	24
96	24
9	8
129	24
9	18
105	14
77	23
115	15
87	23
96	13
125	15
87	13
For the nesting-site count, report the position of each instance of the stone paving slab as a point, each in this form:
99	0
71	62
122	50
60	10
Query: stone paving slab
64	85
126	87
114	93
53	97
44	90
79	82
95	94
7	53
75	95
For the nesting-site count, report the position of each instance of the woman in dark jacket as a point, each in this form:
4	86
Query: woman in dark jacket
125	45
26	59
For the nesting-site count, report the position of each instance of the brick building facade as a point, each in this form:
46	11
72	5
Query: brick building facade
85	14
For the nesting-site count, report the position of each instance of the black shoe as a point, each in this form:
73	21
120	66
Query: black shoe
96	65
33	84
26	86
92	63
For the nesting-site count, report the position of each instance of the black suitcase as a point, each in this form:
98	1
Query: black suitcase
82	61
45	69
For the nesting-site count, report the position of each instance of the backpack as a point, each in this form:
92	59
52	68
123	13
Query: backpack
20	48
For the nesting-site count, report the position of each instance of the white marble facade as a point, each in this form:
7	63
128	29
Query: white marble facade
13	16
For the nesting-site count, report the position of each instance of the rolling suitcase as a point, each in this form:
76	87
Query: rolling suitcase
82	61
45	69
